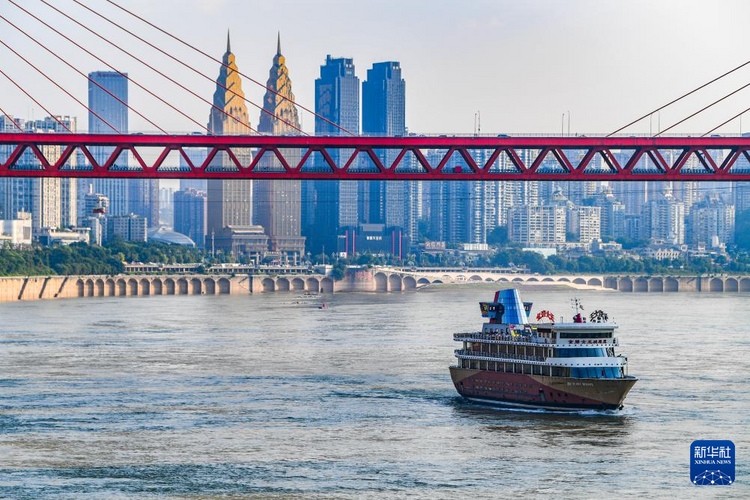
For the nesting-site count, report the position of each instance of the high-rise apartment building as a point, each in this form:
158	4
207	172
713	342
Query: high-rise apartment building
278	203
537	224
663	220
711	222
514	193
68	186
585	223
612	214
52	202
144	199
128	227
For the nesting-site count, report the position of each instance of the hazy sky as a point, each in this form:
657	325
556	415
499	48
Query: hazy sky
521	63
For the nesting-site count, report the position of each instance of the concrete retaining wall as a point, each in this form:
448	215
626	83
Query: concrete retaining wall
59	287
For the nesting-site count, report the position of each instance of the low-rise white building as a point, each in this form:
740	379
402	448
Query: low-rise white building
16	231
64	236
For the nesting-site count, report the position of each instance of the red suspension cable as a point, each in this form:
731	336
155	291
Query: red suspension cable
681	97
703	109
59	86
35	101
85	76
112	68
161	73
729	120
183	63
224	65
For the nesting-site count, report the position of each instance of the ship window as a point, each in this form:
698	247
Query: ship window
585	335
584	352
606	372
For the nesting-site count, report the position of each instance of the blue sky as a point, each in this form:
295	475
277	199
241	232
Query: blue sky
522	64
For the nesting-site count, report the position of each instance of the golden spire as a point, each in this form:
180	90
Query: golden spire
231	102
275	105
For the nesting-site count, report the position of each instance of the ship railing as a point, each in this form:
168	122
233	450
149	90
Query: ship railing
503	337
519	357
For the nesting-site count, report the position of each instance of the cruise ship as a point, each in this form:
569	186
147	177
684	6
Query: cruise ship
544	365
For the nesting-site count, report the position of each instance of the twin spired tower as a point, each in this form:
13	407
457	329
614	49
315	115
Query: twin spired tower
235	205
279	202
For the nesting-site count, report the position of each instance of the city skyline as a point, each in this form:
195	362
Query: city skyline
275	217
477	45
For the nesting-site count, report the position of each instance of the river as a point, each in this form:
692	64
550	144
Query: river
268	396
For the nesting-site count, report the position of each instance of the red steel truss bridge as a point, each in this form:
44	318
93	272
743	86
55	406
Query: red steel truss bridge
376	158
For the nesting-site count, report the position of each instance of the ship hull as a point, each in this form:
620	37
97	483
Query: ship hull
540	391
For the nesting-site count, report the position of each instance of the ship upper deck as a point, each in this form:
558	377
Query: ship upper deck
535	340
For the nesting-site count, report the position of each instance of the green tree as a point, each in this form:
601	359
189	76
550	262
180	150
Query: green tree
498	236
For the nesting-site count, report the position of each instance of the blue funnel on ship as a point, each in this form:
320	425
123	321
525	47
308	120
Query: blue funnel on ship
514	310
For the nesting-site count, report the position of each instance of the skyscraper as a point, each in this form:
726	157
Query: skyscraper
384	114
230	202
190	215
333	204
116	114
52	202
279	202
